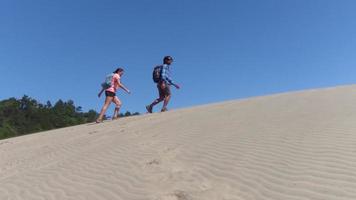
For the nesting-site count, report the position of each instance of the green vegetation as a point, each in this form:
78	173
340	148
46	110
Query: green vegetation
26	115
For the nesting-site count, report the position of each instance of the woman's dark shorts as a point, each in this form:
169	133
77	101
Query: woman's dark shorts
163	92
109	94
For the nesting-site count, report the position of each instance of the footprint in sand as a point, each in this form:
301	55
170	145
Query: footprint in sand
5	142
153	162
92	132
177	195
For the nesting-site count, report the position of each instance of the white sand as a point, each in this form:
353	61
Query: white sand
298	145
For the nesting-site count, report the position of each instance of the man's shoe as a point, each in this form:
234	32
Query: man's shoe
149	108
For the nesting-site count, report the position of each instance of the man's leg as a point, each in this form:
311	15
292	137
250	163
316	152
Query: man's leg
165	104
158	100
155	102
167	97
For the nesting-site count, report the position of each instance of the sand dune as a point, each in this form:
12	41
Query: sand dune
297	146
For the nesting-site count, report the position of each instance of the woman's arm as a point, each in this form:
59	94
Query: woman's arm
124	88
120	85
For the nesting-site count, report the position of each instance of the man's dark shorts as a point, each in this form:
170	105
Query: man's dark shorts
163	92
109	94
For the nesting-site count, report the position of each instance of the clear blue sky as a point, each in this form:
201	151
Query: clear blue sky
223	50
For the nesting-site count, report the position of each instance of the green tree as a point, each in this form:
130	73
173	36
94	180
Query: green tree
26	115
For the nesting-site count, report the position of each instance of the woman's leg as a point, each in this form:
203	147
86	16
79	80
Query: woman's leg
118	104
105	107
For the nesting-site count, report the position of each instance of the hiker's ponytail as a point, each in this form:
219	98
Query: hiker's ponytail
118	70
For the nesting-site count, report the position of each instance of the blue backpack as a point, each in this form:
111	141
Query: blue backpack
157	74
108	80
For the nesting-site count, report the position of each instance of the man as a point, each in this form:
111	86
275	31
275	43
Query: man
164	85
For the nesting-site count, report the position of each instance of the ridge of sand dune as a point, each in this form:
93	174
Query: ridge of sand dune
299	145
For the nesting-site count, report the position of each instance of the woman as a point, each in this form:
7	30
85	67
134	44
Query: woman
110	94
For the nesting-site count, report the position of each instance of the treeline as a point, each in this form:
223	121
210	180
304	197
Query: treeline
27	115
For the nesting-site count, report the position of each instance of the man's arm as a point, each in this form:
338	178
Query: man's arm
165	76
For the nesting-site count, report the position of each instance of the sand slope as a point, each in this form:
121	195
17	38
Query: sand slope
298	145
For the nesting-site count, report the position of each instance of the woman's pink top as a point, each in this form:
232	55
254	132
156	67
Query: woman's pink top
115	81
